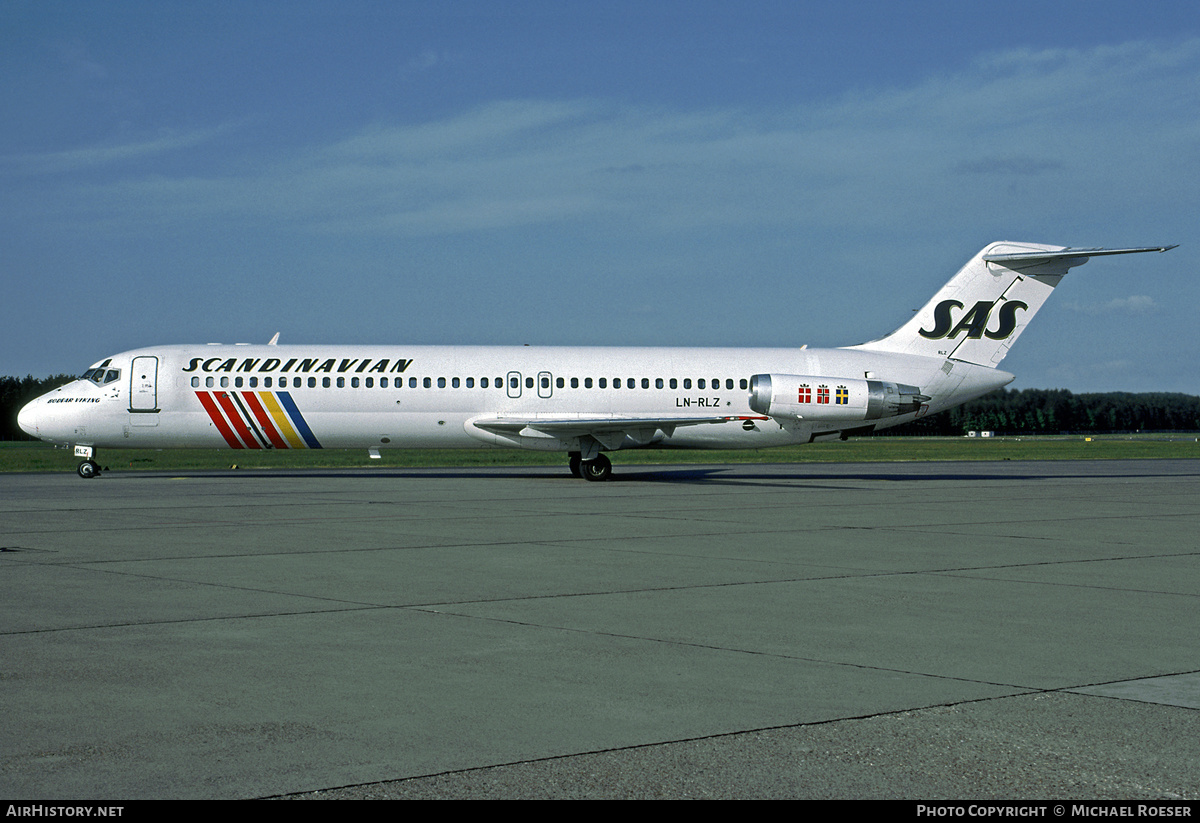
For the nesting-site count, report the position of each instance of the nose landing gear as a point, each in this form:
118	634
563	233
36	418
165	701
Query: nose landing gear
89	468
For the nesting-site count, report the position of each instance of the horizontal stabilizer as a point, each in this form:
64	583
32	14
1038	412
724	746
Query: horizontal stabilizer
1069	253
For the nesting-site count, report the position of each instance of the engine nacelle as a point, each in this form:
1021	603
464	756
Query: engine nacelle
834	399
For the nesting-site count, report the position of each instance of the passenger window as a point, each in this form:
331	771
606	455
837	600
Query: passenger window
454	382
658	383
341	382
574	382
558	382
687	382
254	382
224	382
546	383
325	382
529	382
195	382
237	382
515	383
674	383
646	383
470	382
616	382
483	382
729	383
700	383
743	384
603	383
587	382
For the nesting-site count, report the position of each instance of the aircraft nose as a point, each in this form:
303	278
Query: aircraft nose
28	418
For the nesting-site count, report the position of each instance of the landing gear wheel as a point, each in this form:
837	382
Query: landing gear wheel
597	469
576	459
89	469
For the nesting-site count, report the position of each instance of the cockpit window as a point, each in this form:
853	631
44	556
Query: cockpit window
102	376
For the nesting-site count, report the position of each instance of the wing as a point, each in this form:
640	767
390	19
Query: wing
607	431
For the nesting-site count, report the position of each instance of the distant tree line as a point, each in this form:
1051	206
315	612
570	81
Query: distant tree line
15	392
1025	411
1057	411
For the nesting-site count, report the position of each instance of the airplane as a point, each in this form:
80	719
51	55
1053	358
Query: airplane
585	401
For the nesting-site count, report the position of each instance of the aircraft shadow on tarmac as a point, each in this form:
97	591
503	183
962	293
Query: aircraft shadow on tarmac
742	474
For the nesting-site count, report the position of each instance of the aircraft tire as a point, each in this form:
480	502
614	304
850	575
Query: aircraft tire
598	469
576	459
88	469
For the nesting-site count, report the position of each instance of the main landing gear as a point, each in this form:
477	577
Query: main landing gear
598	468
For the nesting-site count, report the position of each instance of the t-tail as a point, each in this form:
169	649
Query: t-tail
981	312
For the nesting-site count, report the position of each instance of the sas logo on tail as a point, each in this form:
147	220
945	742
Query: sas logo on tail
975	321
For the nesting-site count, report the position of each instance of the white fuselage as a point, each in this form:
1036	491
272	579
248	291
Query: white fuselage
241	396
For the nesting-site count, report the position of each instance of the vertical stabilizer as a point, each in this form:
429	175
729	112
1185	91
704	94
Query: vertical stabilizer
980	313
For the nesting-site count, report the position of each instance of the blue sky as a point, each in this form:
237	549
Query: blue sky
691	173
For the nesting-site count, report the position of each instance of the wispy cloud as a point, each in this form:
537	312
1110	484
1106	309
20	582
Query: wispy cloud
1024	166
425	62
1134	304
880	159
108	155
